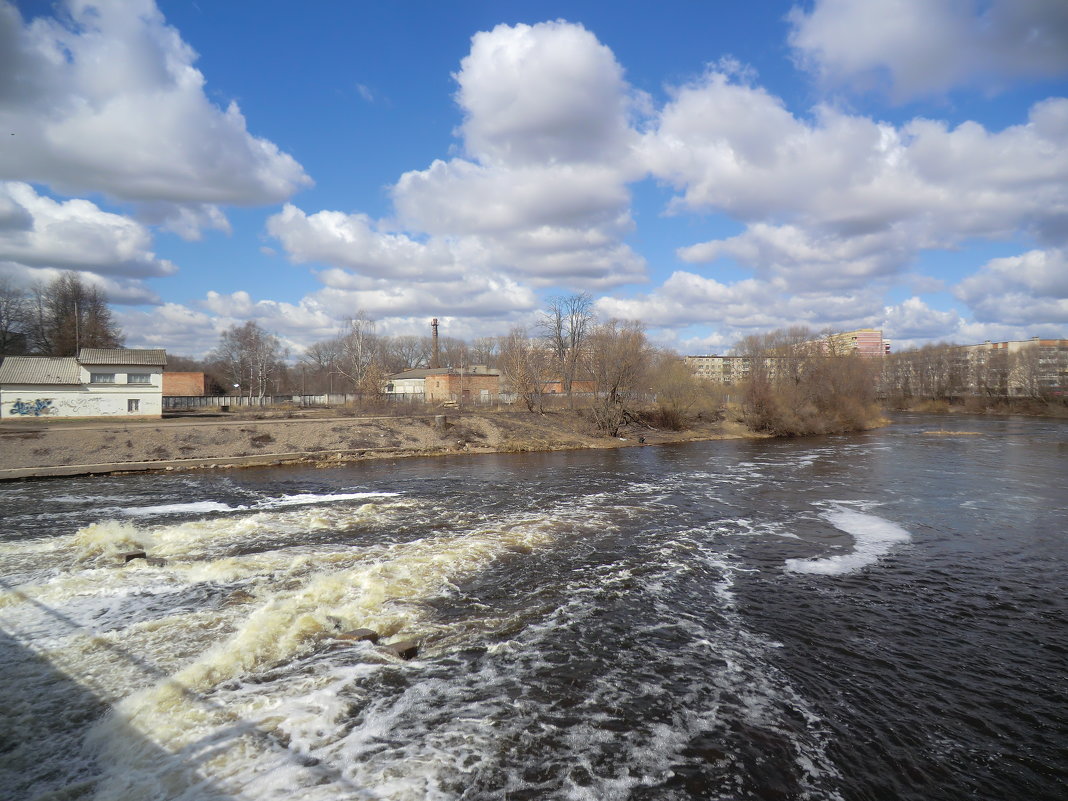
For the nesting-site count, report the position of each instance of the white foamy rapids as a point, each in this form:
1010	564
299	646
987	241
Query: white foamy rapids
423	742
873	537
198	715
201	537
202	507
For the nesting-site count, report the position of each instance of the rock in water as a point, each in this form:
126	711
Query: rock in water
403	649
358	635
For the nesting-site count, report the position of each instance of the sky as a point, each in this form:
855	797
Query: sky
713	169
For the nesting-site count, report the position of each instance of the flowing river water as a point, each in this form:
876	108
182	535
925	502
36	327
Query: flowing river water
873	616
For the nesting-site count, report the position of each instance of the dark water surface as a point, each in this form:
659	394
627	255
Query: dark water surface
877	616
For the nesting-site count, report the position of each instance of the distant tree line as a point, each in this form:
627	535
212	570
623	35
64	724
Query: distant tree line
975	374
609	365
55	318
607	369
799	384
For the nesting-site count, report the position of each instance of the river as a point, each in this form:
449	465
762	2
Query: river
873	616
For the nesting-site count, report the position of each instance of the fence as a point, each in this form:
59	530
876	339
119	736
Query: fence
234	401
175	402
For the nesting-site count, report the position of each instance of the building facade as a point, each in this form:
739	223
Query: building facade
446	385
731	370
1032	368
863	342
98	382
187	384
726	370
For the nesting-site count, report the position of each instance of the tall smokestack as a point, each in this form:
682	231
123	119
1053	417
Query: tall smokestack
435	354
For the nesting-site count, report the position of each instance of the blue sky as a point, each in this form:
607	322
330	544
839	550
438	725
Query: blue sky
713	169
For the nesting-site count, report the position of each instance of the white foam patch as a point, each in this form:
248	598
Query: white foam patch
203	507
309	498
873	536
200	507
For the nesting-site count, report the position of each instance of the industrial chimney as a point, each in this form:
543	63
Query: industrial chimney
435	354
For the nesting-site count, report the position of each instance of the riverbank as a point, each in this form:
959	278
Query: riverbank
1027	407
36	449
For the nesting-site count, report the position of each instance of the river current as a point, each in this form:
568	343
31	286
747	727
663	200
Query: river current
872	616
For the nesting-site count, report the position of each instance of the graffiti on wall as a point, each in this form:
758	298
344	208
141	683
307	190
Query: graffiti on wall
35	407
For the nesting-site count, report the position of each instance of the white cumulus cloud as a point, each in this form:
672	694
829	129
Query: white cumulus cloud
924	47
744	307
1030	289
540	195
41	237
839	199
104	97
543	94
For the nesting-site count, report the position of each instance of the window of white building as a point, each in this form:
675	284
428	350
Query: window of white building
133	405
139	378
101	378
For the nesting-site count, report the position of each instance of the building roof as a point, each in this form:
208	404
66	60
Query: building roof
39	370
420	373
425	372
138	357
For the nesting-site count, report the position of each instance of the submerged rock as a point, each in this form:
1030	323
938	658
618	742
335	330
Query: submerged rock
358	635
403	649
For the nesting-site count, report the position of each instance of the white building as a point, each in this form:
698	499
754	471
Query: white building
99	382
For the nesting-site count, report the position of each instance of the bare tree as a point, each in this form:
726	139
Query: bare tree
484	350
782	355
677	389
358	350
452	351
14	318
801	383
408	352
250	356
1026	372
527	367
321	360
67	314
565	325
939	372
618	358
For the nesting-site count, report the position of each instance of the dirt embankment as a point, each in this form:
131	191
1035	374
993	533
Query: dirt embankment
1029	407
71	447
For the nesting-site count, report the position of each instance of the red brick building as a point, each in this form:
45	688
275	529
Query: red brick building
463	387
183	383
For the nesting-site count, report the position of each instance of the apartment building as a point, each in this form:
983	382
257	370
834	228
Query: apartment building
1017	368
730	370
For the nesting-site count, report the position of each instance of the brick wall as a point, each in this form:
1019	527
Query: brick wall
183	383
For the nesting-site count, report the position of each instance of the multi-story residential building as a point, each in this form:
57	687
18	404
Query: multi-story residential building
729	370
863	342
1022	368
726	370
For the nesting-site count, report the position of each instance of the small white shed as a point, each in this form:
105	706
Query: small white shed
99	382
